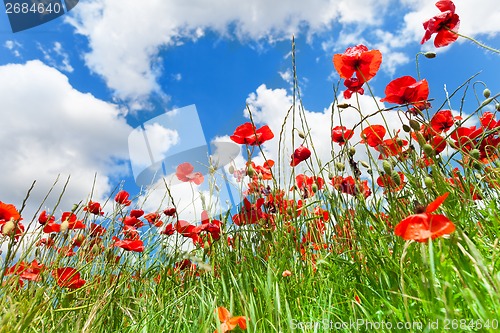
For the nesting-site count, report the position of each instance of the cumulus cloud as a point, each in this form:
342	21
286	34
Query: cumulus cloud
125	36
51	129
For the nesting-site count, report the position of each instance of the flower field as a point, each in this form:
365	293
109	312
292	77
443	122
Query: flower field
404	239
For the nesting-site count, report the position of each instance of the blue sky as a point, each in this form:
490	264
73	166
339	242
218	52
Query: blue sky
74	89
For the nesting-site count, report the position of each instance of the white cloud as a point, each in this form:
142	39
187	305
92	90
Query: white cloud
13	47
125	36
56	57
51	129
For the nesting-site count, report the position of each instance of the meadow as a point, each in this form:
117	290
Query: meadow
404	240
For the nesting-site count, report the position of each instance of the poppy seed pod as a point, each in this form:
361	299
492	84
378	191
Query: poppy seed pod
352	151
415	125
428	149
387	166
340	166
430	55
406	128
486	93
250	172
475	153
429	183
396	178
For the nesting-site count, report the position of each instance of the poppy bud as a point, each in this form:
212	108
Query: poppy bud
428	149
420	139
343	106
486	102
430	55
75	207
369	171
387	166
365	164
396	178
497	107
330	175
477	165
250	172
475	153
301	134
406	128
314	188
340	166
95	249
231	169
486	93
415	125
352	151
429	183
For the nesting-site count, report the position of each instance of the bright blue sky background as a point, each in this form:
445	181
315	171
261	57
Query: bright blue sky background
73	89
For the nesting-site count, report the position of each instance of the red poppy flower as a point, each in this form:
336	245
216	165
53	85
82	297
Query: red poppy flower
130	232
122	198
340	134
169	230
94	208
11	227
373	135
249	135
424	225
391	147
96	230
488	121
353	86
250	213
170	211
72	221
211	226
44	218
305	185
300	154
445	25
30	272
185	173
443	120
229	323
68	277
263	171
154	219
133	222
135	245
348	185
388	183
406	90
357	59
8	212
